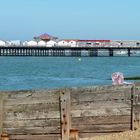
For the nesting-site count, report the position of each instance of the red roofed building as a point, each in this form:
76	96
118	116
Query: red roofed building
94	40
93	43
45	37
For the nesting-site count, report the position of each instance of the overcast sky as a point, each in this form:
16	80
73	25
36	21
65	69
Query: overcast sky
79	19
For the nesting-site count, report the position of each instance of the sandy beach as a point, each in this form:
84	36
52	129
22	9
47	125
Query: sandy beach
128	135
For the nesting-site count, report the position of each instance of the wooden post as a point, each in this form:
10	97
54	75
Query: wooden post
95	52
128	52
111	52
1	112
132	107
65	114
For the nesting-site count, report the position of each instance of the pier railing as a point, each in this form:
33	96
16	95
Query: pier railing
69	113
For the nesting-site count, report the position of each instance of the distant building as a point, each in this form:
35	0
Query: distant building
72	43
41	43
51	43
32	43
25	43
45	37
62	43
15	42
8	43
93	43
2	43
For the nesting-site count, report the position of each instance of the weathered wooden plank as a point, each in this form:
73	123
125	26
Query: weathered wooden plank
100	105
33	130
78	120
100	88
55	106
31	115
31	123
121	95
32	93
101	112
29	107
32	100
35	137
102	128
77	97
74	113
101	120
38	114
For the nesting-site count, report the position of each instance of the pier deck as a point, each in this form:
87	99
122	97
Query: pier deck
68	51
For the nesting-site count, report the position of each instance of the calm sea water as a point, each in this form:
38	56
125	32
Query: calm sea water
18	73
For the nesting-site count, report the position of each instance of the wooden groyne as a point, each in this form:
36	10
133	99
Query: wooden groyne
65	113
66	51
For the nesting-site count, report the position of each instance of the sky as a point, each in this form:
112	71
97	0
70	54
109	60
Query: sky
73	19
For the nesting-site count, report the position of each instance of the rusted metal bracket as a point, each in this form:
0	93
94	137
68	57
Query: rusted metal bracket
4	136
74	134
65	114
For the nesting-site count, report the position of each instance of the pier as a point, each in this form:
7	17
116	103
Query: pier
69	51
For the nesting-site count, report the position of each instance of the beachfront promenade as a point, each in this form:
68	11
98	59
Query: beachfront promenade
70	51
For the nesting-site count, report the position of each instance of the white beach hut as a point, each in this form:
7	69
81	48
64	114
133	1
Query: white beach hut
41	43
2	43
51	43
15	42
8	43
72	43
25	43
32	43
63	43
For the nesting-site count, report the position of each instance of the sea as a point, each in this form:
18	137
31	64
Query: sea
24	73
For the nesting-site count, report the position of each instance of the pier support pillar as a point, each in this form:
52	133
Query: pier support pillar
129	52
93	52
111	52
62	53
75	52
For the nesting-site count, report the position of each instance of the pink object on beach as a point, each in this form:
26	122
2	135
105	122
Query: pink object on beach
117	78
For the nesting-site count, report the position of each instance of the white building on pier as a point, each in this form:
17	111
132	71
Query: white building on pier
2	43
62	43
42	43
32	43
51	43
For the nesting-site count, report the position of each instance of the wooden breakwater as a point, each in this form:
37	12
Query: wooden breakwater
57	114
